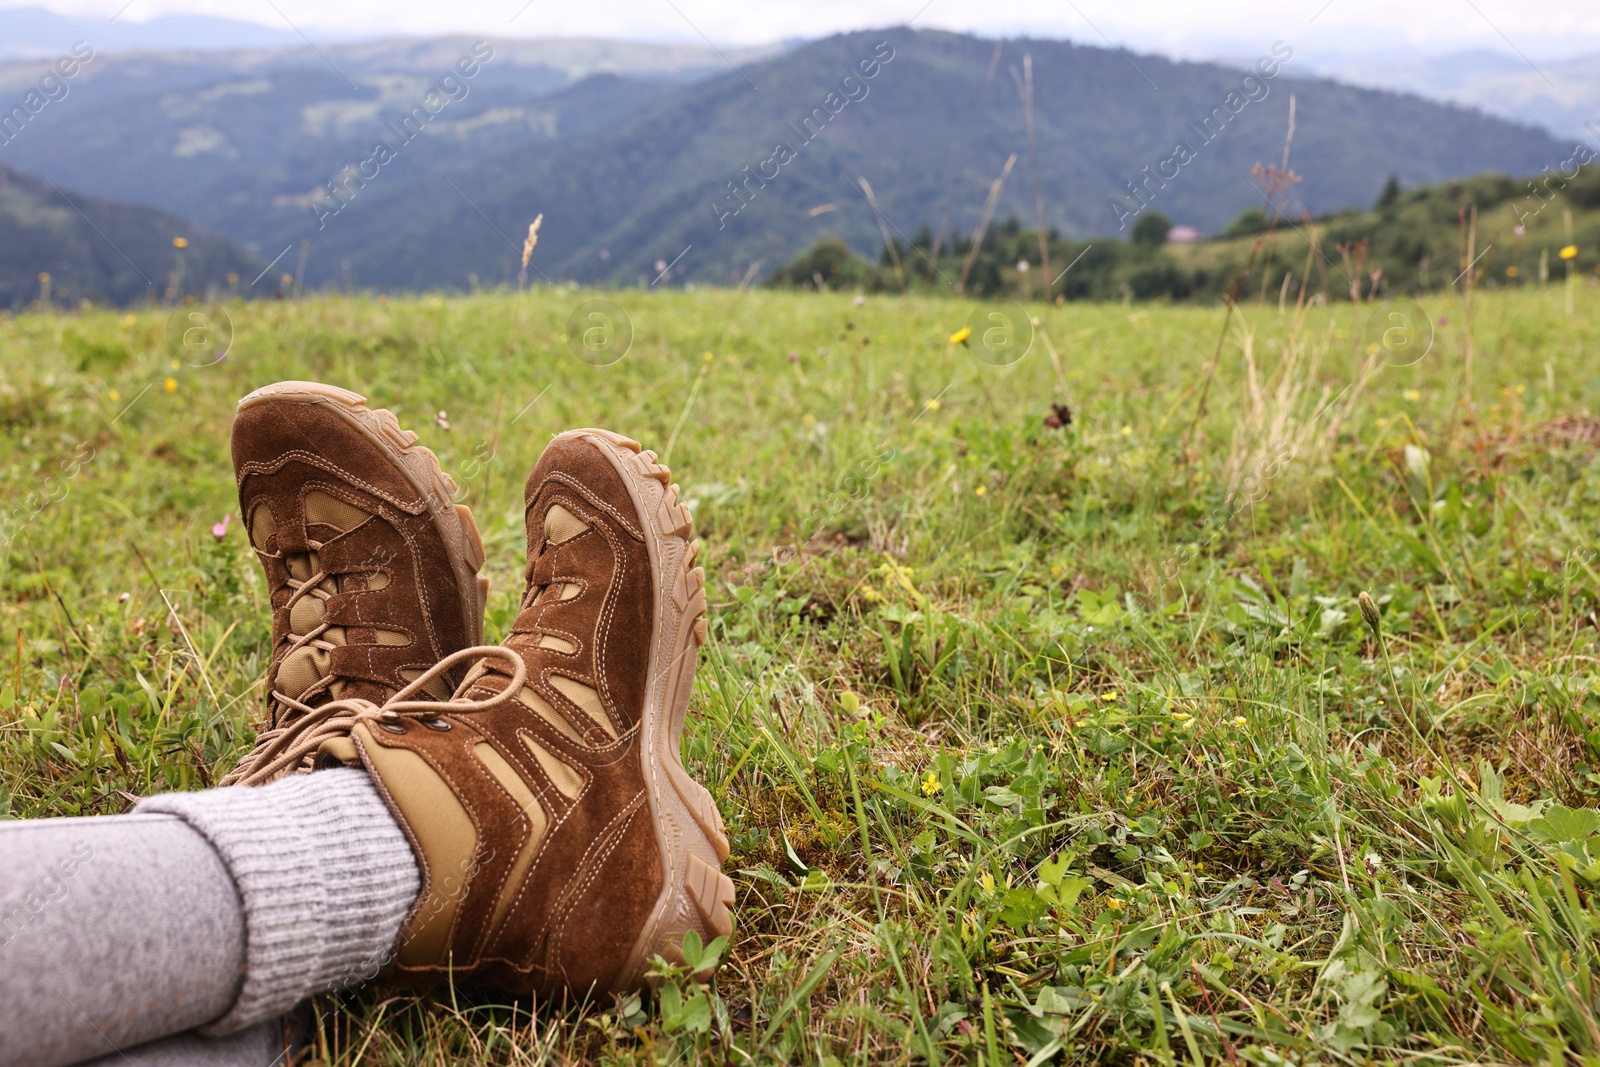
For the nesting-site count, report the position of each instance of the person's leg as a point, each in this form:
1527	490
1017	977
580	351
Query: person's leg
113	931
263	1045
217	910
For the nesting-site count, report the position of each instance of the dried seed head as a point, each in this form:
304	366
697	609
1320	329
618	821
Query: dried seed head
533	239
1369	613
527	249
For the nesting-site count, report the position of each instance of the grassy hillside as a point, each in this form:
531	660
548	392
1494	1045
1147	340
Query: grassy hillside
1429	238
1028	738
63	247
635	168
1487	232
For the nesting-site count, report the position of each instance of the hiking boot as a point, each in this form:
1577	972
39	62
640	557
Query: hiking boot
561	842
371	567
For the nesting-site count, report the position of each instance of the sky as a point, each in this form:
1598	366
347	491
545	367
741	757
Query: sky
1185	28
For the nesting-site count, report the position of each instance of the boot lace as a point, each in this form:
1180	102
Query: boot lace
282	748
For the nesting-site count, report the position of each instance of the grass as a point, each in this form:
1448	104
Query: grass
1033	744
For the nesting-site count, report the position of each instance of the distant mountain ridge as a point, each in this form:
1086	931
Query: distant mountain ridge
37	31
659	189
637	156
1561	95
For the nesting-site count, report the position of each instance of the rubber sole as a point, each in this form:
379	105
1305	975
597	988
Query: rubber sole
454	522
695	894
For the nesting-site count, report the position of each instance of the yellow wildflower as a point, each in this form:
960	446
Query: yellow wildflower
1512	272
1238	722
180	243
933	405
930	785
170	385
113	396
1114	904
1570	252
961	335
1127	431
987	881
707	356
130	320
982	489
1520	389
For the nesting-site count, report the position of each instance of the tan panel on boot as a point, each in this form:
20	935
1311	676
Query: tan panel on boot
560	644
301	669
437	687
262	527
550	715
587	700
532	810
562	525
331	511
563	775
444	836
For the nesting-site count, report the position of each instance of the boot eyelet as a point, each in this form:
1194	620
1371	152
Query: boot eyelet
436	724
392	727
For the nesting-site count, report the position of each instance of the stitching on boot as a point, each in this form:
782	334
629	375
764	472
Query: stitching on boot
593	500
250	467
574	893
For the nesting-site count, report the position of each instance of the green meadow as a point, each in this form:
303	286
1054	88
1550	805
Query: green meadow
1039	702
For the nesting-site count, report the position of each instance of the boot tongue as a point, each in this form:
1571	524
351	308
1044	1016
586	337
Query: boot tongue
308	669
557	526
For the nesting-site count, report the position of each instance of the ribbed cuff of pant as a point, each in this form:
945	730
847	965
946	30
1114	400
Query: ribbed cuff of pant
325	875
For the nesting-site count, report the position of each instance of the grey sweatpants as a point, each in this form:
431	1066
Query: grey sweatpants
214	911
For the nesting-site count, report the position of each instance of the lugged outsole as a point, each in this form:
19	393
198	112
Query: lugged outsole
696	893
455	523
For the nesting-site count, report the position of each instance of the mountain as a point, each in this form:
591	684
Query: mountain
404	172
101	250
36	31
660	186
240	142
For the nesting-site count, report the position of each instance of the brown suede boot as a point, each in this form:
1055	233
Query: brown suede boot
561	842
372	569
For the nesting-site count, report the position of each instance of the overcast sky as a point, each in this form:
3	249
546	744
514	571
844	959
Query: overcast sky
1539	28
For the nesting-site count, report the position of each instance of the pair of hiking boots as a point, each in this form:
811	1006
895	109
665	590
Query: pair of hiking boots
562	845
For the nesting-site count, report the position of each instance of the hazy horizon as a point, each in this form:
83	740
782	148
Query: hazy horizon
1561	29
